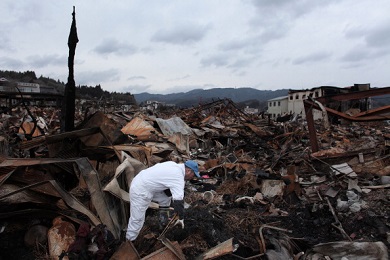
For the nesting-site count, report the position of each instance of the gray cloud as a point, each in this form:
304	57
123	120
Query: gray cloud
241	63
29	11
4	41
180	78
229	39
136	78
218	60
375	43
233	45
11	63
47	60
181	35
113	46
274	18
183	88
360	53
379	37
313	57
248	45
273	31
136	89
96	77
288	8
356	55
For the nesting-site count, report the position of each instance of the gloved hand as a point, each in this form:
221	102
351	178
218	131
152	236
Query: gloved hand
178	207
180	222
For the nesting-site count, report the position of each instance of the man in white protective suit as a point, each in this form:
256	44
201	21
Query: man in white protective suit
152	184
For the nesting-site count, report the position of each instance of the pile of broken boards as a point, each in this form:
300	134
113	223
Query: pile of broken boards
263	194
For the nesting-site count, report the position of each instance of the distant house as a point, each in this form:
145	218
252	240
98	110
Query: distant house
3	81
250	110
4	84
152	105
26	87
48	90
277	106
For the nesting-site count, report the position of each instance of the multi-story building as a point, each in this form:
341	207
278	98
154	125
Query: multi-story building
277	106
293	103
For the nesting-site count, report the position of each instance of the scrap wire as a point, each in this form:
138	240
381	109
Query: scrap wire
337	224
170	224
263	248
282	154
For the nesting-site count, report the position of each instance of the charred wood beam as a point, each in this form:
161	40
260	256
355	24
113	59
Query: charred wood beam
310	126
58	137
354	95
68	106
360	118
376	111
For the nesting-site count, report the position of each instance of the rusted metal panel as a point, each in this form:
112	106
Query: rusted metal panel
181	142
140	128
126	251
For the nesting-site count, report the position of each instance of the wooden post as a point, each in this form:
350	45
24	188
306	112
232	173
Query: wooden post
68	105
311	127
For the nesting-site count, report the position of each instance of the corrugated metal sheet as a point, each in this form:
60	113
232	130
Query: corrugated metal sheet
138	127
173	125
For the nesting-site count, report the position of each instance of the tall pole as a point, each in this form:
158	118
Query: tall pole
68	105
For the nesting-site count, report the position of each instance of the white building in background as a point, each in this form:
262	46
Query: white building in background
278	106
153	105
293	103
26	87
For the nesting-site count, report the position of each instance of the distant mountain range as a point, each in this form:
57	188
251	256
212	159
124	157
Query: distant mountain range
241	96
249	96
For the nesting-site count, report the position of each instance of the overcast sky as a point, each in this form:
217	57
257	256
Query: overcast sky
170	46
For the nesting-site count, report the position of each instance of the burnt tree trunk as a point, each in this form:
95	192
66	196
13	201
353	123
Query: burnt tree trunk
68	105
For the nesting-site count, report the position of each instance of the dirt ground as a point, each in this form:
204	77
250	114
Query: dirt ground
304	226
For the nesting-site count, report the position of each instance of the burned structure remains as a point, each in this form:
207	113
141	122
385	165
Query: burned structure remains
299	189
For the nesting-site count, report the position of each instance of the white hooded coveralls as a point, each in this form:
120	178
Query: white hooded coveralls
149	185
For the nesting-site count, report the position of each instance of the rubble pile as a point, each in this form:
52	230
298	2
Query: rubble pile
263	193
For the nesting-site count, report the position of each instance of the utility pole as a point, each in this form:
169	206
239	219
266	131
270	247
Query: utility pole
68	105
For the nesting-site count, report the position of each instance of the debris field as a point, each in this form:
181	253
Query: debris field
264	194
